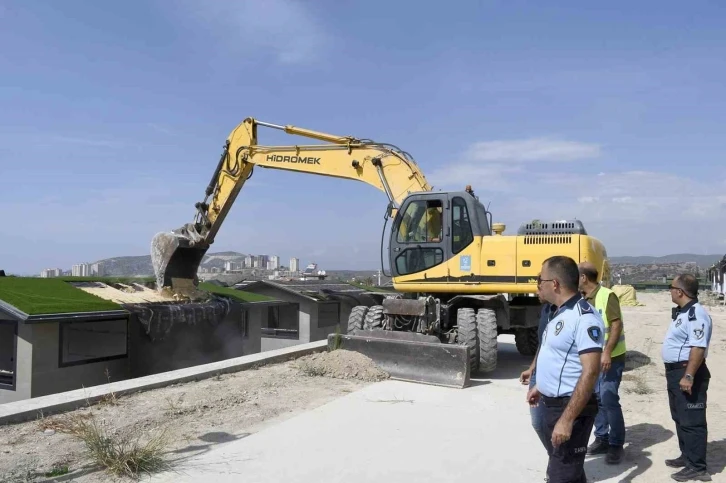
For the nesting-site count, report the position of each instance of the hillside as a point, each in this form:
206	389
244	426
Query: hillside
650	272
703	261
141	265
633	268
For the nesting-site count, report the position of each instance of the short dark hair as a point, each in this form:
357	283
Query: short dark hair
565	270
689	284
589	271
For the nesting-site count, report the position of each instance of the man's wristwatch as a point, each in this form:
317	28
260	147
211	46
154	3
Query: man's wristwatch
689	377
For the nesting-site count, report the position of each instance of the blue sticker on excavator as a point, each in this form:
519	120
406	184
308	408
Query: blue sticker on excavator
465	263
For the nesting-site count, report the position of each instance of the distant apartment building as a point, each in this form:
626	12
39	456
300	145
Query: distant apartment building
294	265
273	263
97	270
81	270
248	261
232	266
51	272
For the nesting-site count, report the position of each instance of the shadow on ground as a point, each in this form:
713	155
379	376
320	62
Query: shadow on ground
716	456
635	360
639	437
510	363
211	439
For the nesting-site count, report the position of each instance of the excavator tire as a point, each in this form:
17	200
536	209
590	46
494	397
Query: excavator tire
357	318
374	318
467	335
527	341
486	324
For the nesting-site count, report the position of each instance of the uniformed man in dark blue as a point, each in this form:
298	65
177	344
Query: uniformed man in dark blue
684	353
568	366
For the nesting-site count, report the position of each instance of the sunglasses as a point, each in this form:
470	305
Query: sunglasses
540	280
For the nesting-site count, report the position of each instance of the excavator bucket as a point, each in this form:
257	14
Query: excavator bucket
175	260
411	357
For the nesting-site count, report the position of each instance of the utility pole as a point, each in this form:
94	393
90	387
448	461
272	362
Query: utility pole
379	277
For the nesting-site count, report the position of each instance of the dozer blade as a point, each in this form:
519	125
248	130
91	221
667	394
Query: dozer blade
174	260
410	357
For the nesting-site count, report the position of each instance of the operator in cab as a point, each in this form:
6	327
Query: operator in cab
684	353
568	366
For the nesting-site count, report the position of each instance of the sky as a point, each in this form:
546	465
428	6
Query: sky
113	116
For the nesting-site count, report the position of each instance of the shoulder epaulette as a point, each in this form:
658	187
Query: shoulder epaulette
692	313
585	307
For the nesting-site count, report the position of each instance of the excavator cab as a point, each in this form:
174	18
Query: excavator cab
431	230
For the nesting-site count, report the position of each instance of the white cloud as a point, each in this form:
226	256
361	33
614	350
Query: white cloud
489	165
457	176
286	28
535	149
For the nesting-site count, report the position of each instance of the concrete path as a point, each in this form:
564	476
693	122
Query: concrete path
391	431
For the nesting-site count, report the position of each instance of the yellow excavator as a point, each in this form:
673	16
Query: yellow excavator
459	281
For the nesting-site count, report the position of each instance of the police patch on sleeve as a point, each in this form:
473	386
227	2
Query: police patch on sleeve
698	333
595	333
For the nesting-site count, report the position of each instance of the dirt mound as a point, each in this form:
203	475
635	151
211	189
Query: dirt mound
341	364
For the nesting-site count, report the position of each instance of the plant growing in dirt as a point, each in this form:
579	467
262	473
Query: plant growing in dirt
128	453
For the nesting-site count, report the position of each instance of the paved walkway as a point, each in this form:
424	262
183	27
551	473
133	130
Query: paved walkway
390	431
393	432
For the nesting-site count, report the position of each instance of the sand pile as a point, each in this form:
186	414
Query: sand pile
341	364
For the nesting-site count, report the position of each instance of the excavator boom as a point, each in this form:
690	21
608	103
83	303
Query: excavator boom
176	255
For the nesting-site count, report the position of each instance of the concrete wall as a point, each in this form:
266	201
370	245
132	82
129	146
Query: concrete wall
306	312
189	344
315	320
24	361
49	378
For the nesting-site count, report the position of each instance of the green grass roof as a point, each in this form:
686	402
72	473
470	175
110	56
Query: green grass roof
36	296
49	296
233	293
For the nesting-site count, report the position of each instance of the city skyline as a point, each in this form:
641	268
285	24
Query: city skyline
264	262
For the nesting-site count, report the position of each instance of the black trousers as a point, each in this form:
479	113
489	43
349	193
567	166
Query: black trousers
567	461
689	412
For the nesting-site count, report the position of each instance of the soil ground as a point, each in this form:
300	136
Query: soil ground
650	431
203	414
197	415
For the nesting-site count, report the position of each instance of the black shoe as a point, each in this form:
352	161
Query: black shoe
598	447
689	474
615	454
679	462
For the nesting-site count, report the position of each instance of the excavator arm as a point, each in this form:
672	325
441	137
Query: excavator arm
176	255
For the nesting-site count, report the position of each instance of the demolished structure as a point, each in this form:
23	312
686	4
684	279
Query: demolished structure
59	335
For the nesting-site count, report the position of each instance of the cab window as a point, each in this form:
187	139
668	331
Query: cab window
422	222
461	232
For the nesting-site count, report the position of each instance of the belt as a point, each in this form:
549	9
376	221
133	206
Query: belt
563	400
675	365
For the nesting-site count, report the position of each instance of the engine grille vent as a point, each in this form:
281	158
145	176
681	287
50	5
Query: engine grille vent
567	227
547	239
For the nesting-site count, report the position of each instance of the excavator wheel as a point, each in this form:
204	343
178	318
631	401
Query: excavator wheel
527	341
467	335
374	318
357	318
486	324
